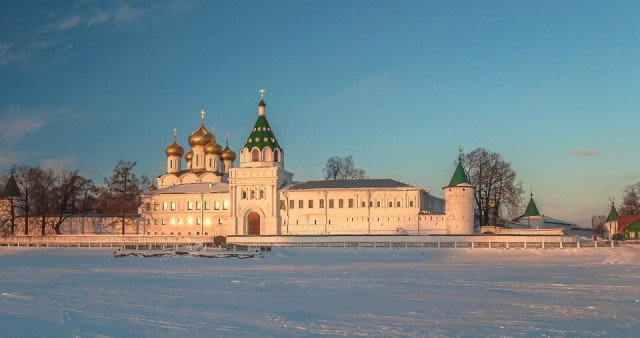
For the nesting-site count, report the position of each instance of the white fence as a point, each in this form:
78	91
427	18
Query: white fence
414	241
103	240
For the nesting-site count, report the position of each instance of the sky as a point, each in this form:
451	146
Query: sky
553	86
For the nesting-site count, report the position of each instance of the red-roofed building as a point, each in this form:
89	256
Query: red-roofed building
624	220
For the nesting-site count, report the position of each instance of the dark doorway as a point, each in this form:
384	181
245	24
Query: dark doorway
253	224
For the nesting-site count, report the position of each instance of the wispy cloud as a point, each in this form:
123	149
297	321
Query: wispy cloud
59	164
581	152
60	32
17	123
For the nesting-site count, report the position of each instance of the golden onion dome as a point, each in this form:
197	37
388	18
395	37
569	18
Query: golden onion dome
174	149
189	156
213	147
228	154
200	137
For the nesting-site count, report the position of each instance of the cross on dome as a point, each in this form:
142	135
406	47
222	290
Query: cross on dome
202	115
175	133
262	91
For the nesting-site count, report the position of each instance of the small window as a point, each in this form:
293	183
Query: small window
398	204
378	204
163	223
156	206
275	156
198	221
300	204
165	206
206	205
253	194
330	203
189	205
198	205
411	204
219	220
225	205
292	204
255	155
244	194
364	204
351	203
261	194
390	204
310	204
216	205
283	205
340	203
321	204
370	204
173	206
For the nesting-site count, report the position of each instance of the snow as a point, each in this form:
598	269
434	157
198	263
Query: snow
406	292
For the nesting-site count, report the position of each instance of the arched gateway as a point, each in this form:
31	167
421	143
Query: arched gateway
253	223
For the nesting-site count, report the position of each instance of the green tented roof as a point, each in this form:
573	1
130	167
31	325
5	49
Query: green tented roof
633	226
11	188
459	176
613	215
262	135
532	209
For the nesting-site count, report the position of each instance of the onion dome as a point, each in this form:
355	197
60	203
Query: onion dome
189	156
213	147
228	154
174	149
200	137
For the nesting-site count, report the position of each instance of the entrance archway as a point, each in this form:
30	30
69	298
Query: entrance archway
253	224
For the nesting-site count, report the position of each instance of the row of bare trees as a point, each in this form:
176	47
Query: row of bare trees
49	197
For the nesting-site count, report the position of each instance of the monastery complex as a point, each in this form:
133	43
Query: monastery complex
213	196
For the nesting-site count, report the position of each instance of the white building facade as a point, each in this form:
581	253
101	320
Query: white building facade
213	197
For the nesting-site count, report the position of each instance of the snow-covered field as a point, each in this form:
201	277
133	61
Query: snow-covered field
408	292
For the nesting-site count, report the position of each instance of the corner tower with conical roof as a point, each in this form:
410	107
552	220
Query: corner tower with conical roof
611	223
254	185
459	200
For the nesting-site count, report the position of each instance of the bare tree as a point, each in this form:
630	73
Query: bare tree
495	180
73	195
631	200
24	178
43	182
342	168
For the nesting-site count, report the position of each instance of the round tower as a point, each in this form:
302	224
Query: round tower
262	148
459	198
174	154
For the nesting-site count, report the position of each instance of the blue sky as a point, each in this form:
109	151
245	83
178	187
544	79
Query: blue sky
551	85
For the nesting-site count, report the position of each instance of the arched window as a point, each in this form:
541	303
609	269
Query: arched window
253	194
261	194
276	155
398	204
255	155
244	194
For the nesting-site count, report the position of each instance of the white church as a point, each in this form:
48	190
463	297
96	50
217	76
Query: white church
213	196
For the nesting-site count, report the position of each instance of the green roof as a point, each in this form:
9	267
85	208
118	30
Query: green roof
633	226
459	176
262	135
613	214
11	188
532	209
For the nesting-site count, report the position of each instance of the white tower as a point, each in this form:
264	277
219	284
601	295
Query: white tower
174	154
254	184
458	199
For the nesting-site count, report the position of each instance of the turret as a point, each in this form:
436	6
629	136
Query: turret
228	156
212	152
174	154
611	223
262	148
459	200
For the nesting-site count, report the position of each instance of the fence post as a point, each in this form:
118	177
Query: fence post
507	244
543	244
578	246
472	245
596	243
438	244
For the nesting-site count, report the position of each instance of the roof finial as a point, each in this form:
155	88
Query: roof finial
612	200
202	116
227	136
531	187
262	91
175	134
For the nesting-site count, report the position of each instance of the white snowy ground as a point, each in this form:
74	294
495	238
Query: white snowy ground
408	292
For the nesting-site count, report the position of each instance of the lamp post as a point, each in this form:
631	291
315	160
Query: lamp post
201	214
